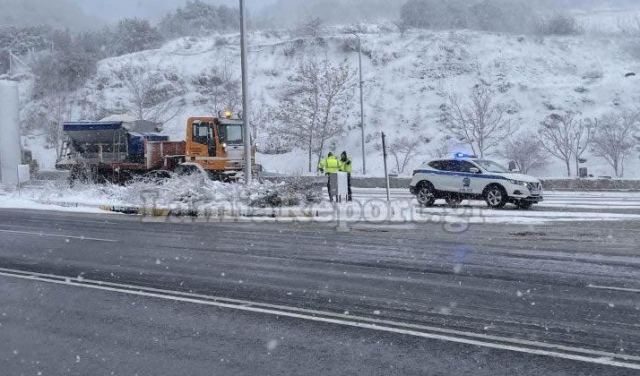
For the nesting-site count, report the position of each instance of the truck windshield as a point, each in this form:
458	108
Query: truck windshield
231	133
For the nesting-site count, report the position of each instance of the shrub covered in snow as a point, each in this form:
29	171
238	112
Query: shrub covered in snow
21	40
199	18
516	16
559	24
133	35
192	191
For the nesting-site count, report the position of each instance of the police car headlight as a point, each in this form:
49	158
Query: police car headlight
518	182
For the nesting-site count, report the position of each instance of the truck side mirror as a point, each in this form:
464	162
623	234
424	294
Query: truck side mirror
474	170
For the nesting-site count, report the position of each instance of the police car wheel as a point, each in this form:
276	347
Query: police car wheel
496	197
426	195
453	200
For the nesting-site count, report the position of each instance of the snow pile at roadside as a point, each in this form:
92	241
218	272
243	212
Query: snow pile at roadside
187	191
194	196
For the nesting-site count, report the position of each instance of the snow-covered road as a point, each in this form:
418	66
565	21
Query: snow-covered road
617	201
217	202
370	206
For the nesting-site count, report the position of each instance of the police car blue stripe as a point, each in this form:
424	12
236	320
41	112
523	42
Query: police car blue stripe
465	174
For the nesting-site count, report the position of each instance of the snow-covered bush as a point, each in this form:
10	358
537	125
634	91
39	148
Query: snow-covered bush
65	69
435	14
559	24
220	88
21	40
192	191
515	16
292	193
151	94
133	35
198	18
310	28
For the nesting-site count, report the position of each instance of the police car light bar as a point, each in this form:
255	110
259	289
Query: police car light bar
463	155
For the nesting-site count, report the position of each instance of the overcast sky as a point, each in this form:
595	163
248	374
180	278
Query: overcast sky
113	10
89	14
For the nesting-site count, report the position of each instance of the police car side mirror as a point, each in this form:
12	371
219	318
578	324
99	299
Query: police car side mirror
474	170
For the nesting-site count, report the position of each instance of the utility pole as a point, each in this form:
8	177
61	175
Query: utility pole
245	94
364	153
386	171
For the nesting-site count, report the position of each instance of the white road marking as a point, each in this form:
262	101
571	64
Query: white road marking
442	334
613	288
57	236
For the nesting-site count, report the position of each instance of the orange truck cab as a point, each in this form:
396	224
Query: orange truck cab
216	144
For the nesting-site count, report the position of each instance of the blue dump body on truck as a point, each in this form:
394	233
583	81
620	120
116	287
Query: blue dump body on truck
106	142
114	148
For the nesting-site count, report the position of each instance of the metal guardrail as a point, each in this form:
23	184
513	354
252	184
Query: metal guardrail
548	184
403	183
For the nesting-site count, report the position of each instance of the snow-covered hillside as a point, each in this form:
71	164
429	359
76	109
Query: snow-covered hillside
407	78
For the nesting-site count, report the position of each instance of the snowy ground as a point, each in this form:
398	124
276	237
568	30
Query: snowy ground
217	201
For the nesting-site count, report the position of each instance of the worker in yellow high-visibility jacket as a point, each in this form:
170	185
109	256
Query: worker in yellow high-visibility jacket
329	165
346	165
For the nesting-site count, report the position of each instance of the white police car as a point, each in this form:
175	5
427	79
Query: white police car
468	177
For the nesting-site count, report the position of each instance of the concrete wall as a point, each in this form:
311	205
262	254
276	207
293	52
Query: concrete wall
10	148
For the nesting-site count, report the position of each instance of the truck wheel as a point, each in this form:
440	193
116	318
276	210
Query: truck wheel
453	200
426	194
495	196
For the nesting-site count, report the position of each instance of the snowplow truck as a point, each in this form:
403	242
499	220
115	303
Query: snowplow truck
119	151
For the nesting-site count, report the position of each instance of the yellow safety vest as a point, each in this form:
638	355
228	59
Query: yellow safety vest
346	166
332	165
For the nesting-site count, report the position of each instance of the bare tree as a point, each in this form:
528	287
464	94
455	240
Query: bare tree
311	27
300	109
526	150
402	27
150	94
614	141
582	139
59	110
443	148
404	150
49	115
314	105
221	87
336	84
566	137
479	123
261	117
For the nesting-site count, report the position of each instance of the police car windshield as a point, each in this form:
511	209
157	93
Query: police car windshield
491	166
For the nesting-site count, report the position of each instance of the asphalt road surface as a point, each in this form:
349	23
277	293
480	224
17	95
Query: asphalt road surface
111	294
568	201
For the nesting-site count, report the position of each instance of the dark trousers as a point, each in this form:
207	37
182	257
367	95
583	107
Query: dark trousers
350	196
329	187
